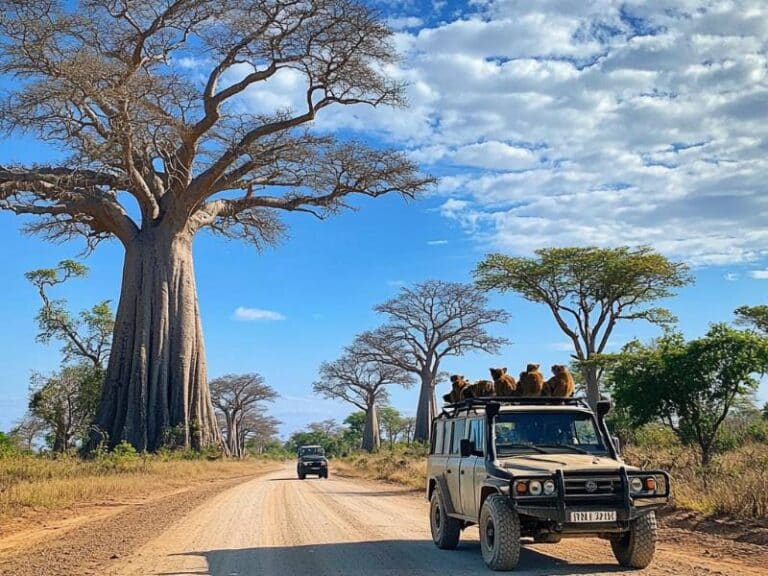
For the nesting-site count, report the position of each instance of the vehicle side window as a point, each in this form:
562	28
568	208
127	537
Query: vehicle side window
446	448
437	438
477	434
458	434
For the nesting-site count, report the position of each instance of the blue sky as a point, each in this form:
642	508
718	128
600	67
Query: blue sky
549	123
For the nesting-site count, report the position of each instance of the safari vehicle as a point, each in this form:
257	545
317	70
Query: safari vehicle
541	468
312	460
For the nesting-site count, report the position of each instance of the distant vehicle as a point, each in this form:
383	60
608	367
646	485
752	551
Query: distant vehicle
544	468
312	460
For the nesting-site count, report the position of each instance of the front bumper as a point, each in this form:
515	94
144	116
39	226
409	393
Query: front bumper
556	509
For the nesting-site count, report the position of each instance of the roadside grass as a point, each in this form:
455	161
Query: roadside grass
32	483
735	485
404	466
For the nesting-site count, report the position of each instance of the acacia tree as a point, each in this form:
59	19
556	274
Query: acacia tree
239	398
425	324
690	386
392	423
589	290
66	402
362	382
87	338
104	80
753	316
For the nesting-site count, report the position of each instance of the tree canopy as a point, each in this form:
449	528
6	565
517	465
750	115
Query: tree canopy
86	337
753	316
588	291
690	386
148	103
427	323
362	381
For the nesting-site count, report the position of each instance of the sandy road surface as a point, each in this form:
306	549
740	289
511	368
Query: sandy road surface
278	525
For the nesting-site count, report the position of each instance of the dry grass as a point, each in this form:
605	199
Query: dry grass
406	469
735	485
33	483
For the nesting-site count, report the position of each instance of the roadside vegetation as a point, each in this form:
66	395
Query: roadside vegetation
31	483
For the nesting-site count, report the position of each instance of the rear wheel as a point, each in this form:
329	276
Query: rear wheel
499	534
635	549
445	530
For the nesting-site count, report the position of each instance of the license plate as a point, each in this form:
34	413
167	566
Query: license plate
593	516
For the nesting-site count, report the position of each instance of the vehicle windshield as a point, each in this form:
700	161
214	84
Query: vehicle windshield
547	433
312	451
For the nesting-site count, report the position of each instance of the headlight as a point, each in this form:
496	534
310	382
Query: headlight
521	488
549	487
636	484
650	484
534	488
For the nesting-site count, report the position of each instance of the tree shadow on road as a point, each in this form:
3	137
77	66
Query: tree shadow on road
386	557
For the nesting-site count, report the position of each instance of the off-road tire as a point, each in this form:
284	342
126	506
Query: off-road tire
324	475
302	475
635	549
499	534
445	530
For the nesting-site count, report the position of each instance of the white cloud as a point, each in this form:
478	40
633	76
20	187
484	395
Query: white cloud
403	22
731	276
396	283
244	314
597	122
437	242
561	346
759	274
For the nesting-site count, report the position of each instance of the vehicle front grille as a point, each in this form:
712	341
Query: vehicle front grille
589	487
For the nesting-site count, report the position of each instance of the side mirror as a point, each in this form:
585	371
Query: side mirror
466	448
603	407
616	444
492	409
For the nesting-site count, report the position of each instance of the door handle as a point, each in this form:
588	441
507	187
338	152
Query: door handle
462	471
448	471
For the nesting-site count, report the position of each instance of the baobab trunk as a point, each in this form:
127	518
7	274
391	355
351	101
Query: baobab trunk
371	437
426	410
156	389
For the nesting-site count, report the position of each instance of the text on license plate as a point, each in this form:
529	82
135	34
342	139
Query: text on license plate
593	516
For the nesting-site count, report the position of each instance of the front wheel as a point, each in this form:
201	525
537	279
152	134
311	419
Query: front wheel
635	549
499	534
445	530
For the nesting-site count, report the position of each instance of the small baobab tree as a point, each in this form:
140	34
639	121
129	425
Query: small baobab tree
240	400
357	379
425	324
106	81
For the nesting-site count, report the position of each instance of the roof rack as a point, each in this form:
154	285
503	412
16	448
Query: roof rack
471	403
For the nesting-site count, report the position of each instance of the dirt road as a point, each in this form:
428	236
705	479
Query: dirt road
278	525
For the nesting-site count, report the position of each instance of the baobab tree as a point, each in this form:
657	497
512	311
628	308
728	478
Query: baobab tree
156	153
240	400
425	324
362	382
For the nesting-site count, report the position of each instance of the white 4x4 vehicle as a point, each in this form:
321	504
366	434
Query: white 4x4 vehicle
540	467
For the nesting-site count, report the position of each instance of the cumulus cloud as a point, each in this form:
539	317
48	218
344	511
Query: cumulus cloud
600	122
731	276
244	314
759	274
